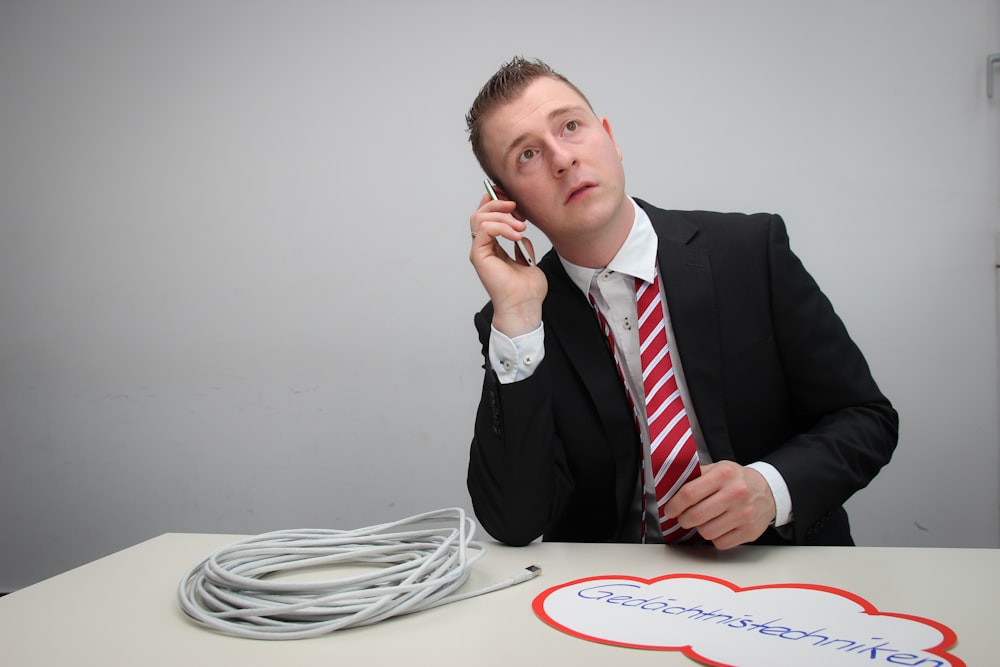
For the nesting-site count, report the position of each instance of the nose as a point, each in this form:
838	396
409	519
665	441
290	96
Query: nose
562	157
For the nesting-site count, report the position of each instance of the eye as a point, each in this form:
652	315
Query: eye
526	155
572	126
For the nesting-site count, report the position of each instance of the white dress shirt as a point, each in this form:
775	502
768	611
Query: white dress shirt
613	290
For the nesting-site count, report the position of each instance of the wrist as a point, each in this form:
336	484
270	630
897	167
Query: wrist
514	322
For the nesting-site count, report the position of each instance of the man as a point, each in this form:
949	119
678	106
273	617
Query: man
777	399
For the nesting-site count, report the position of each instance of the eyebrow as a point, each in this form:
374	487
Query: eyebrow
555	113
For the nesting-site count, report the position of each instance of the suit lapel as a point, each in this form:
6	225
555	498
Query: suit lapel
686	270
571	321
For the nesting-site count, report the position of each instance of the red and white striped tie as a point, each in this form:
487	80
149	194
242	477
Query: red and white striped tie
672	450
674	455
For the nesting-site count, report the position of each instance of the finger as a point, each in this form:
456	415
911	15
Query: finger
484	244
732	529
502	205
497	211
730	540
499	228
703	513
714	478
692	493
502	196
486	247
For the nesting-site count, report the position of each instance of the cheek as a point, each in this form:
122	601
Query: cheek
611	154
615	168
536	196
524	190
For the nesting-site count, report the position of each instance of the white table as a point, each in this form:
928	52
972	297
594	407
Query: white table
122	609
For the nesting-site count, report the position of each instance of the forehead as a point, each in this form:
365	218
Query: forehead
527	113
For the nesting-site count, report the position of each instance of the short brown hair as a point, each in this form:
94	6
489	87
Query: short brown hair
508	83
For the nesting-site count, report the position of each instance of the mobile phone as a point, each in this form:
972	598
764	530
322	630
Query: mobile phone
520	244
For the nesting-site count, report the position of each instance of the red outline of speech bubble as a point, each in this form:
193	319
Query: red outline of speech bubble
948	636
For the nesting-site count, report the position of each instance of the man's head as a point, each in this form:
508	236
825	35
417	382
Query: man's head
538	138
508	83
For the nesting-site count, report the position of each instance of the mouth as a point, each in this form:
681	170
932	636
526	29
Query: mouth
578	191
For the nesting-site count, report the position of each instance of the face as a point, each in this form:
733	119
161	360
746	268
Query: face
561	164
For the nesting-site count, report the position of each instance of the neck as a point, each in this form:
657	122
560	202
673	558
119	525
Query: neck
593	253
596	249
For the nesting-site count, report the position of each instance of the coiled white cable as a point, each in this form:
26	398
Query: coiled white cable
425	565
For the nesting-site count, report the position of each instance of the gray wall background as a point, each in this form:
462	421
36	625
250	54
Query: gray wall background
234	284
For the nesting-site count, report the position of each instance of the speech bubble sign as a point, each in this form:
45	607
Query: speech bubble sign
718	623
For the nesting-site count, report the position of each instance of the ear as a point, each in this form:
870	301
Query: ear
606	124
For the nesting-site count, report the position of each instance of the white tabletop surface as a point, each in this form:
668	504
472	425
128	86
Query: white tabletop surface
123	610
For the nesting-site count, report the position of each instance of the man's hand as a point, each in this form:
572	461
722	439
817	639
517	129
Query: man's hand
515	288
729	504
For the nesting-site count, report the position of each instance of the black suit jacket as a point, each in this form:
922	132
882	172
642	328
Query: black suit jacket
771	370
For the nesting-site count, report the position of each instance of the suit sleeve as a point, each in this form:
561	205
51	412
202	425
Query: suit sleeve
517	471
848	427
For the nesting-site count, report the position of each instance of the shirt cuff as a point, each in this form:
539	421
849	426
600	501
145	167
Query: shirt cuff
515	359
779	490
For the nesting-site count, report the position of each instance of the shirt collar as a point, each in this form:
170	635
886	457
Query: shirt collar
636	257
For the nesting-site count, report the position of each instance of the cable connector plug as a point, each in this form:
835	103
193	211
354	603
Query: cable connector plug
526	574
